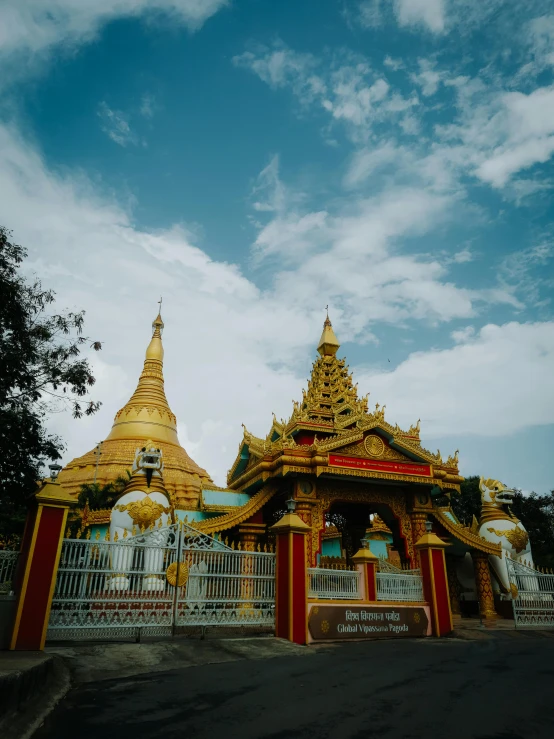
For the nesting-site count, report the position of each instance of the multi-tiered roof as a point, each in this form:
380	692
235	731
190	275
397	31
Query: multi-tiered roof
332	418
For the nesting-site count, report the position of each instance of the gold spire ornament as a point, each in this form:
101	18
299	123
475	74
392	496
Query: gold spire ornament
328	344
146	415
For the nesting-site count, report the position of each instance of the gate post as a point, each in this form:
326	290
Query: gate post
38	572
435	581
291	577
367	563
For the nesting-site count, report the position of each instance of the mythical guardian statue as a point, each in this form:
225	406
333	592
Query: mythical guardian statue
499	525
141	516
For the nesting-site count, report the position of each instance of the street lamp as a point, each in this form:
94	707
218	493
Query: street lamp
54	471
291	505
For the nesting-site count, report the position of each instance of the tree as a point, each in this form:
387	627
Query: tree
41	371
536	512
98	496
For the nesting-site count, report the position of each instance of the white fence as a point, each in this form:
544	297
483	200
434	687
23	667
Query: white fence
168	577
8	563
226	587
400	586
333	584
532	595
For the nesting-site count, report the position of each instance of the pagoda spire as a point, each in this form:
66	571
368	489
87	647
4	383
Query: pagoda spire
147	413
328	344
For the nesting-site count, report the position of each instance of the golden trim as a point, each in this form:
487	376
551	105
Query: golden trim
53	580
474	541
433	591
228	520
23	591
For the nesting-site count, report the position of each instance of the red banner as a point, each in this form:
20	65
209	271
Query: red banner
394	468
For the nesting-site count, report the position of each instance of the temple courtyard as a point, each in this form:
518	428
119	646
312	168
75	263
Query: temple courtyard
480	685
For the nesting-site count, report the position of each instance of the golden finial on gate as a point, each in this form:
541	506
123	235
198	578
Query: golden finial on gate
79	533
88	533
124	533
68	533
134	531
97	537
116	536
107	537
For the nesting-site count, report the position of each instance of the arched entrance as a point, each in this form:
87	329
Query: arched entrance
353	521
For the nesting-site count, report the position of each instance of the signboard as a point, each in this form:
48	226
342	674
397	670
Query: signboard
337	622
395	468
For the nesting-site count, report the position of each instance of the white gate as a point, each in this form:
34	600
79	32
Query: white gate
532	595
150	583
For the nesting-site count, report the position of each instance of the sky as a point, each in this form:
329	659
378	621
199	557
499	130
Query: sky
252	162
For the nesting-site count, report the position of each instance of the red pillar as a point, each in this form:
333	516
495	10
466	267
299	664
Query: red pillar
435	581
291	577
367	563
44	532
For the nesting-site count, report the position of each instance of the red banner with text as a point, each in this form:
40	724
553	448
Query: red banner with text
376	465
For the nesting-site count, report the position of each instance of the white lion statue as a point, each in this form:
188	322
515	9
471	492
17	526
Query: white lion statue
500	526
141	516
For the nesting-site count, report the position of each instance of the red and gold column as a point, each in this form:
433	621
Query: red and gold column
367	563
435	581
418	519
47	521
291	577
453	586
483	584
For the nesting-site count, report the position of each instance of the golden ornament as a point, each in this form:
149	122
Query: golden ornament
374	445
144	512
171	574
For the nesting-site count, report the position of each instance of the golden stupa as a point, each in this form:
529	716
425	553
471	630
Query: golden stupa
147	415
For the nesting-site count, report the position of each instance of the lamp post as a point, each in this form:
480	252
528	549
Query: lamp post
54	471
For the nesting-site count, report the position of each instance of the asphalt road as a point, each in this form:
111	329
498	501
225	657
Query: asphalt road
494	689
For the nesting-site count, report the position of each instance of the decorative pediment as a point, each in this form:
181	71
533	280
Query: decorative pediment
373	447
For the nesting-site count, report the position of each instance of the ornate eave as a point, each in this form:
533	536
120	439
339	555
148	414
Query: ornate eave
465	535
239	515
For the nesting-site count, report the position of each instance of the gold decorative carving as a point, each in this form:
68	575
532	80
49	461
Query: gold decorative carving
171	574
484	584
234	518
144	512
328	494
517	537
374	445
464	534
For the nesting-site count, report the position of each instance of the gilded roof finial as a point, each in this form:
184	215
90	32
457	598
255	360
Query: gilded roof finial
328	344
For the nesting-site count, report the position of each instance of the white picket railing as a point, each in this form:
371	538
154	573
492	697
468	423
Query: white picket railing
532	595
404	586
8	563
333	584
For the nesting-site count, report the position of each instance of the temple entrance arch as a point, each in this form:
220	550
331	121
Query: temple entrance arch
356	521
356	502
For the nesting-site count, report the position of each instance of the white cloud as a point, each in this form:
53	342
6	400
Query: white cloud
427	13
461	336
493	384
32	25
98	260
147	106
463	256
427	78
348	88
116	126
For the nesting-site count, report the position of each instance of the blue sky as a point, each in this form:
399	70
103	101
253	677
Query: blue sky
253	161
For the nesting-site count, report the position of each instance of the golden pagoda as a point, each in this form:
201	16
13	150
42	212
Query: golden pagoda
146	416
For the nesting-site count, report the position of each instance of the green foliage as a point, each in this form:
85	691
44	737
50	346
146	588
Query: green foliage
536	512
98	496
537	515
468	503
40	372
